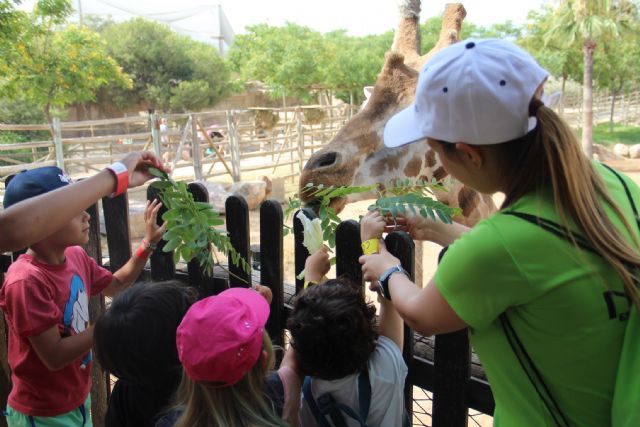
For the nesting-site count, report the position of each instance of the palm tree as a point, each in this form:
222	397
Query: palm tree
587	21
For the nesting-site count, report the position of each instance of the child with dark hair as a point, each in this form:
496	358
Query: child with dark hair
334	335
45	300
135	340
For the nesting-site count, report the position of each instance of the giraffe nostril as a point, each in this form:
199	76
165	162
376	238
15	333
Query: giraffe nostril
324	160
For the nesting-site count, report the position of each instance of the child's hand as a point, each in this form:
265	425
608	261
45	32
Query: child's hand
138	164
265	292
153	232
372	226
317	265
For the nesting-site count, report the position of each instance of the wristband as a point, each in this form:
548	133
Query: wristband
142	252
370	246
119	170
308	283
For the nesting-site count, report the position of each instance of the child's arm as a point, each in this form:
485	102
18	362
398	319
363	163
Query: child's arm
36	218
129	272
57	352
317	265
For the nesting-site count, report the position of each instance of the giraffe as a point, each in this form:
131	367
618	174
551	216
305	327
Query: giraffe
357	155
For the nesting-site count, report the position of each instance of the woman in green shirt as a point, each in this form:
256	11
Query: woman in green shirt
548	284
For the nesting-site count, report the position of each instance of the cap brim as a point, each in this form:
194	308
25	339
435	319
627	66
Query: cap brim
252	298
403	128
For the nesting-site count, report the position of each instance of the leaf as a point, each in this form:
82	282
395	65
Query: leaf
158	173
160	184
172	244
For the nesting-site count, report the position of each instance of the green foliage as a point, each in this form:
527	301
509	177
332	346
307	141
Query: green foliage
52	67
399	198
289	59
191	231
170	71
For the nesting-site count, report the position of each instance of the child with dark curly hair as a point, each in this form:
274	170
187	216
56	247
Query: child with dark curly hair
337	344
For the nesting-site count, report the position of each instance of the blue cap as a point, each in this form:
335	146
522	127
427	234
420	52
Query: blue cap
31	183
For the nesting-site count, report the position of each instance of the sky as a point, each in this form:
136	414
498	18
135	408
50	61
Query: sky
358	17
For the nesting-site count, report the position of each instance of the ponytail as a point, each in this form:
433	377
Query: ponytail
553	156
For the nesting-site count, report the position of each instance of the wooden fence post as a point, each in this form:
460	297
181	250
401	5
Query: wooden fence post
237	216
162	265
57	142
234	147
348	250
300	131
206	285
116	222
155	134
272	266
100	382
452	371
300	251
401	246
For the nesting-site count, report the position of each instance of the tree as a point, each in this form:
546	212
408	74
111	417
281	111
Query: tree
588	21
170	72
560	61
49	66
289	59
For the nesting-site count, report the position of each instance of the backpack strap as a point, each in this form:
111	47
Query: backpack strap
327	405
532	372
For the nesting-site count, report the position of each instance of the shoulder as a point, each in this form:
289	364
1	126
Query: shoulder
77	254
169	419
386	358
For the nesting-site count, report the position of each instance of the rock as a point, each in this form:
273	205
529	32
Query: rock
254	192
634	151
604	154
217	195
621	150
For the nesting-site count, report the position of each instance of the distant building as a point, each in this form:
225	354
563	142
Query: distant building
194	18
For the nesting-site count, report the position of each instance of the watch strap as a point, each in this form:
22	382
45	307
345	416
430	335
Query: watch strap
384	279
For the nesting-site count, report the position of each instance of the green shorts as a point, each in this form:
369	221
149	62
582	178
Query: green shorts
79	417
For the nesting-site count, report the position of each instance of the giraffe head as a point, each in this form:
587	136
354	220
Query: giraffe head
357	154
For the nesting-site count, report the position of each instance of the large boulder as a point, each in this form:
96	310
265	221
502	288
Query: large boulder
254	192
621	150
217	195
634	151
603	154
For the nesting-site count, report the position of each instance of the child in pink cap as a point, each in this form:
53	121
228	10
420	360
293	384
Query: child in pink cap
226	356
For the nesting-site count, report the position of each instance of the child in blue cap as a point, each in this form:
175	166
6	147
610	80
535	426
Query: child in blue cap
45	299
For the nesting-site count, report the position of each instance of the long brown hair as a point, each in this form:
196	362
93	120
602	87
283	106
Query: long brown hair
553	156
243	405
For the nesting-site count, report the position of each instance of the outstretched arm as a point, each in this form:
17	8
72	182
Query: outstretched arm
34	219
125	276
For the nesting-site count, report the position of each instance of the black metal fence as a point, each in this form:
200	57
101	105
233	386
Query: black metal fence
442	365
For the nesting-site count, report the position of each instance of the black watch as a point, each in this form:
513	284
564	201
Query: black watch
384	279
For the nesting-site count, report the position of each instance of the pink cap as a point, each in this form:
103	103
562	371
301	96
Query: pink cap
220	337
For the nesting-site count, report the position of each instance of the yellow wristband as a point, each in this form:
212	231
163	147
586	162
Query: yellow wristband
370	246
308	283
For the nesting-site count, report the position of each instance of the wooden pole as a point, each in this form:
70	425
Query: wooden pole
57	142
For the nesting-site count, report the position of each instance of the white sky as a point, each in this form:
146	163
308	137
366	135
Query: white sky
358	17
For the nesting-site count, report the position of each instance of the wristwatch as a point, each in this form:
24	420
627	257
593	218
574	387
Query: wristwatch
384	279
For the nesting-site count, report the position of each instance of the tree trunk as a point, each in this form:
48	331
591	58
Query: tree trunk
587	97
561	106
614	94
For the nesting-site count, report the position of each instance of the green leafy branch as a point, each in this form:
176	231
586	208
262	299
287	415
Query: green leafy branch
400	197
329	220
191	231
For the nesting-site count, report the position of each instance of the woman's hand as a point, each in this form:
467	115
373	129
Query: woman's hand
317	265
138	164
153	232
374	265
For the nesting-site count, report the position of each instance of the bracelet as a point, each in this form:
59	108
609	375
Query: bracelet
149	245
308	283
120	172
370	246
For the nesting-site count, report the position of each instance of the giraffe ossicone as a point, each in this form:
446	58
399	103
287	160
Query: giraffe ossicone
357	155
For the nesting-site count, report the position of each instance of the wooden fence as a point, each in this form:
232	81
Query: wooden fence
442	366
223	145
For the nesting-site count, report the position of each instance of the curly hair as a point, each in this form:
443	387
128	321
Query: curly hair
332	329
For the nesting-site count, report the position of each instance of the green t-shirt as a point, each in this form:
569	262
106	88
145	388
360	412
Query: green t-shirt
554	296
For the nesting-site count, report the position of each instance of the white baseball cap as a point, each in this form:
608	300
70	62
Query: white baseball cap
474	91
